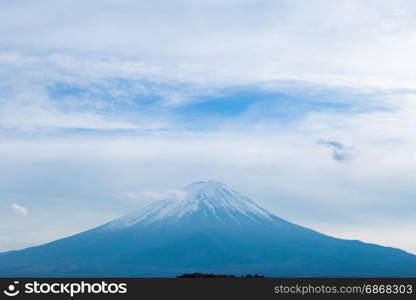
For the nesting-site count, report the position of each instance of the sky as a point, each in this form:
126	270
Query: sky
307	107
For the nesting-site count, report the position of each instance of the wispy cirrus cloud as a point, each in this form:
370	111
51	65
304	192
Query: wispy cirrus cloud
19	209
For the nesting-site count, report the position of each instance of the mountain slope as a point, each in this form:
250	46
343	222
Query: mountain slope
207	228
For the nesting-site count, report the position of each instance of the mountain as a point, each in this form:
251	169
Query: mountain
206	228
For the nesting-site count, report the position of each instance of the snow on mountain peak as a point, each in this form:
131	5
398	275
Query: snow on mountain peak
202	190
211	198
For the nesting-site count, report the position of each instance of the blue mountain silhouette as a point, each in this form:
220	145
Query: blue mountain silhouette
207	228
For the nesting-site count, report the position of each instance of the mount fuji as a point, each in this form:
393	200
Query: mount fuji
206	228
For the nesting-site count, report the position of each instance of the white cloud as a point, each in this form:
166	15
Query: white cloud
19	209
34	117
359	44
363	47
144	197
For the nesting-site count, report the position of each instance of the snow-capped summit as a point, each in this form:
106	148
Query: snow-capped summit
204	200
